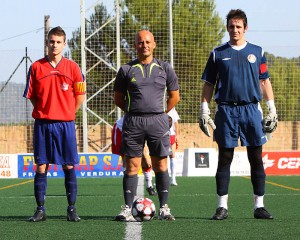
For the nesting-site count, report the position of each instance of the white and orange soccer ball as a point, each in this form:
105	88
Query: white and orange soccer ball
143	209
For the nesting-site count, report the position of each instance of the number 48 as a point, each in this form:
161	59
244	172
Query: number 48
5	174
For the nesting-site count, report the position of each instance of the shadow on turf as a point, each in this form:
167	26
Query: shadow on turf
111	218
60	218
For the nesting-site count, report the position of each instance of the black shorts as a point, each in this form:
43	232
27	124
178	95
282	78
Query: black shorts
150	128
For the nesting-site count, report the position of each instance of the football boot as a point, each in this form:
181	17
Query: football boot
38	216
125	215
151	191
165	213
262	213
72	215
221	214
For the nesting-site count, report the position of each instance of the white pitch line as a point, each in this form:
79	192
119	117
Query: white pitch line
134	229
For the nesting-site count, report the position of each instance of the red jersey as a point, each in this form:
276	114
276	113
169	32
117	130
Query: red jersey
116	140
54	89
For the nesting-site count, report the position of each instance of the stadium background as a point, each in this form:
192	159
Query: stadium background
196	29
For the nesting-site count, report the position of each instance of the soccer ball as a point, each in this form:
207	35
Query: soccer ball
143	209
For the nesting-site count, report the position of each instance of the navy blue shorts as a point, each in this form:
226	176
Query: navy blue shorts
151	128
55	142
239	122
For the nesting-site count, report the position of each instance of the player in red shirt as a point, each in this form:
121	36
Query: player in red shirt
174	135
55	86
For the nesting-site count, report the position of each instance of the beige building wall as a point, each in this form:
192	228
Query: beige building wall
18	139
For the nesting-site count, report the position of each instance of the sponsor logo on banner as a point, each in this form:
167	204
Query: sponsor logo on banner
201	160
8	166
240	165
282	163
90	165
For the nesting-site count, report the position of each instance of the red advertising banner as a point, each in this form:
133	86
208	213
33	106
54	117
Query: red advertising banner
282	163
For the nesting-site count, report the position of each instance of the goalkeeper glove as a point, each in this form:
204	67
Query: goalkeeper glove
271	120
205	120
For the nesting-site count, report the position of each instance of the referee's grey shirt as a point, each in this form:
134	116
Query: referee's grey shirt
145	85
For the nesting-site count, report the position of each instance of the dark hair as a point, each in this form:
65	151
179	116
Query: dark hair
58	31
237	14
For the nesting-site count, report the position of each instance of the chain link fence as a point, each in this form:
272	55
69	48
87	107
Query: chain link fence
184	36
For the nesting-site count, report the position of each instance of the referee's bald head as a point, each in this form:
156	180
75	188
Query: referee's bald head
144	45
142	32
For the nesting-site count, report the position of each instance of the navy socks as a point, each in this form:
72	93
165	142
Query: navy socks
40	186
71	185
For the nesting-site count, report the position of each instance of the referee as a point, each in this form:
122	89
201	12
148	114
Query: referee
238	71
140	90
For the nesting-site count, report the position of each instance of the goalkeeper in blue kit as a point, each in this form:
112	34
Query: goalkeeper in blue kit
238	72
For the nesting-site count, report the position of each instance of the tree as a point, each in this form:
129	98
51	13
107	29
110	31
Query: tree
197	30
101	62
285	75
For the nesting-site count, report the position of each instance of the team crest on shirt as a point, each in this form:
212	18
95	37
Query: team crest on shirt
65	86
251	58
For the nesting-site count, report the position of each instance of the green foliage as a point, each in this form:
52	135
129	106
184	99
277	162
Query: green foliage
197	30
285	74
101	70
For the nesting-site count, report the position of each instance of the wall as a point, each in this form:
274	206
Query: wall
18	139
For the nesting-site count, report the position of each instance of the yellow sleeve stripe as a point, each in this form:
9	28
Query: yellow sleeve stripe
79	87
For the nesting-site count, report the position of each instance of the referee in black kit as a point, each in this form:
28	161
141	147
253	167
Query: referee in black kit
140	91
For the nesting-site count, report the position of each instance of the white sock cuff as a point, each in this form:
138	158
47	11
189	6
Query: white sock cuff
223	201
258	201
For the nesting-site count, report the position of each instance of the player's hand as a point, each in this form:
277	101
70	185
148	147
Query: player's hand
270	122
204	122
